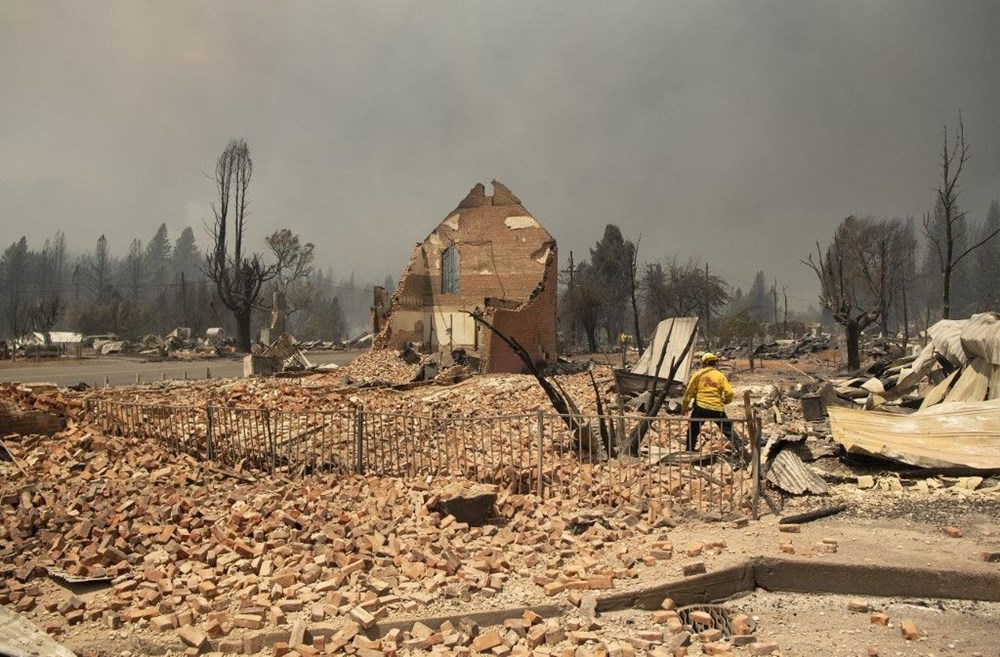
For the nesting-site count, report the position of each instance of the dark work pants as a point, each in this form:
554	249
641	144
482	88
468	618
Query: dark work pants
698	414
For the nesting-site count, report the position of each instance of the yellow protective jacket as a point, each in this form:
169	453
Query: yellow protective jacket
710	389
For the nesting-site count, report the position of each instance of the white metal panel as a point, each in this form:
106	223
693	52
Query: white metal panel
682	330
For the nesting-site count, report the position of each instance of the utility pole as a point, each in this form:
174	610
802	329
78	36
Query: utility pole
184	301
774	295
784	291
572	319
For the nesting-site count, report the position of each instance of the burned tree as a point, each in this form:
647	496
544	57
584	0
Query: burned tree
294	263
239	276
854	276
946	231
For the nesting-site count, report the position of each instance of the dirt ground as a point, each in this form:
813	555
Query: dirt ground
891	523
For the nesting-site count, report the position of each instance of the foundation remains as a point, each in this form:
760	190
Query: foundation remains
489	256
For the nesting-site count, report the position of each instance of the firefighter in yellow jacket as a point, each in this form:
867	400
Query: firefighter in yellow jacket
707	394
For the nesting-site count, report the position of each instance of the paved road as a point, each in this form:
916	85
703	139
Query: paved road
121	371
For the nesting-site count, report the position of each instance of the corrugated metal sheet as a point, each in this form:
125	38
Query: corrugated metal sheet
790	474
981	336
973	383
963	434
947	338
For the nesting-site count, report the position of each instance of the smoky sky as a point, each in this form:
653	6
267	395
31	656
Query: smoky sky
737	132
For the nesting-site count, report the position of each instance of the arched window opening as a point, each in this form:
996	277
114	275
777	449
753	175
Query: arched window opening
449	270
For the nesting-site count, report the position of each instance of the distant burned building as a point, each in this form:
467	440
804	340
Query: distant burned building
490	256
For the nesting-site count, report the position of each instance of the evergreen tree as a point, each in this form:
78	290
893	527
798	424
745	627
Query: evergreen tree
758	298
987	263
157	261
186	258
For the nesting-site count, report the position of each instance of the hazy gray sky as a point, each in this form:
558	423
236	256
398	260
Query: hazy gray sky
741	132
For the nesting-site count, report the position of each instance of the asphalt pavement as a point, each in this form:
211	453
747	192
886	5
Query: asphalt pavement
124	370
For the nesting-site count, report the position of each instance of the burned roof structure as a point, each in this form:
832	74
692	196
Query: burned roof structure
490	257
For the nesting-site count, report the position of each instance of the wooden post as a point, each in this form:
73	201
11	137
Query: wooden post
752	425
137	379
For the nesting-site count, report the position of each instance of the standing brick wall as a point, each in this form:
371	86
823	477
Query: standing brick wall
504	254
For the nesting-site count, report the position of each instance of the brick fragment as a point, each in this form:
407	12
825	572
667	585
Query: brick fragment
192	636
487	640
362	617
693	568
252	644
710	636
860	606
909	629
299	636
953	532
164	622
760	649
701	619
740	625
790	528
880	619
249	621
536	636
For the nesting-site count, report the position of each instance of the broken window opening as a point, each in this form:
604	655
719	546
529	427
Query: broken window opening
449	270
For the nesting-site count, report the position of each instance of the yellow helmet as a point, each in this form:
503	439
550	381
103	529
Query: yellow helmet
709	357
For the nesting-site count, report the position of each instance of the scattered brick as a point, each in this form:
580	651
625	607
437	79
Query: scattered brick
909	629
693	568
193	637
860	606
880	619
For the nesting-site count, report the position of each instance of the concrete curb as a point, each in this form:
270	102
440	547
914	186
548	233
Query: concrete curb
794	576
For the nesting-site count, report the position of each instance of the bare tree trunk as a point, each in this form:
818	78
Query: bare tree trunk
946	290
906	319
853	332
